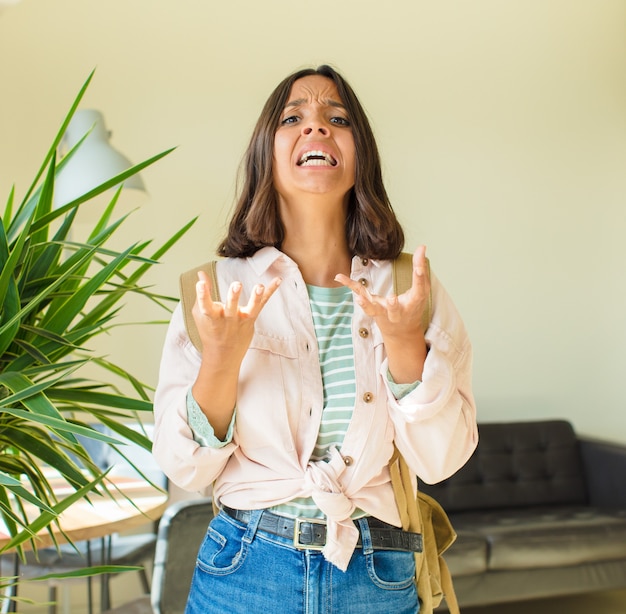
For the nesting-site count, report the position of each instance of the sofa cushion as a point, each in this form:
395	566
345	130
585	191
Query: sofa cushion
519	464
467	555
528	538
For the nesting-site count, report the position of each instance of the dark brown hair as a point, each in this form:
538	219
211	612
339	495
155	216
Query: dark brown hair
372	229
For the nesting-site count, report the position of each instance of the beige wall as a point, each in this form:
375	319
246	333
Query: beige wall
502	125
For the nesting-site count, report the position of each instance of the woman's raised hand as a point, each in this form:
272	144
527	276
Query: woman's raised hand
400	319
396	315
226	328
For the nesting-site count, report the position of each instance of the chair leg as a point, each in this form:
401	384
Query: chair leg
105	589
13	590
89	581
145	582
53	596
7	603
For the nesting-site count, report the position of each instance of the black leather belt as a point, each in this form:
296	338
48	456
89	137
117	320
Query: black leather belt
310	534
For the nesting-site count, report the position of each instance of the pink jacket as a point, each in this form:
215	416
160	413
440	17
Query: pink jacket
280	403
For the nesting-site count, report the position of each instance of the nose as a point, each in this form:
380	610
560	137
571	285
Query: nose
315	124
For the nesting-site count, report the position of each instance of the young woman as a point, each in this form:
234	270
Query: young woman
310	370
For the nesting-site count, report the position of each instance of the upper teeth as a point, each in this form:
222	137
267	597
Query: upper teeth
316	158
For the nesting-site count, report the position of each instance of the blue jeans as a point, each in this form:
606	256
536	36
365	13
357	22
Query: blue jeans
243	570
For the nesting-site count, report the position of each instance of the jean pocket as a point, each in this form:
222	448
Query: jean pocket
391	570
222	551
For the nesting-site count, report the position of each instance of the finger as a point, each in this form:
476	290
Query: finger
203	293
419	260
394	313
344	280
421	281
269	291
231	307
259	297
255	301
358	288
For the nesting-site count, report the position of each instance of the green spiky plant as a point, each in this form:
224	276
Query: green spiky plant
56	295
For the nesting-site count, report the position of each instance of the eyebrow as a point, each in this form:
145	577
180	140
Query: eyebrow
329	101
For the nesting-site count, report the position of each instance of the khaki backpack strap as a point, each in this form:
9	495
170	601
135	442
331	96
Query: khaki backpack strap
188	282
403	493
448	587
424	515
402	271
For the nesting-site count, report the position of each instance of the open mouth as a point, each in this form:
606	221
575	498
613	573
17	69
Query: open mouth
317	158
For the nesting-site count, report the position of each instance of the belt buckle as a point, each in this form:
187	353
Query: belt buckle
296	533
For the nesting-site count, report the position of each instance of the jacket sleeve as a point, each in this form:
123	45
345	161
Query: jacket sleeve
435	424
186	462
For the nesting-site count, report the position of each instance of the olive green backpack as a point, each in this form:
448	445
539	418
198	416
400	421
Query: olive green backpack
420	515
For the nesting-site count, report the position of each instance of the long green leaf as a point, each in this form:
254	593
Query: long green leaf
47	261
28	393
45	518
103	187
44	203
9	320
23	211
46	452
10	257
59	318
49	289
86	572
8	210
165	247
105	218
17	488
89	398
59	426
32	351
109	300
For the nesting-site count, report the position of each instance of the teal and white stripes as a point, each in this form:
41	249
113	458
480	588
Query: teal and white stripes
332	310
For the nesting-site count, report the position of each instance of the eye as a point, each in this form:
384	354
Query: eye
340	121
292	119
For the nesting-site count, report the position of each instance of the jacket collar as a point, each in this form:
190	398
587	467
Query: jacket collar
265	258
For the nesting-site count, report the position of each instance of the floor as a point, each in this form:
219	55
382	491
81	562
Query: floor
126	588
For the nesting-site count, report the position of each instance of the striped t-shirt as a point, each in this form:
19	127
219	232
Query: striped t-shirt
332	310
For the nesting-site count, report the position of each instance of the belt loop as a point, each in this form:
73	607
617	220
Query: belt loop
251	528
366	538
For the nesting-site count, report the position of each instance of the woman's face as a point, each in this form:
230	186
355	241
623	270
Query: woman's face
314	146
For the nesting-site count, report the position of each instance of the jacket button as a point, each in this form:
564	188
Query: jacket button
368	397
348	460
364	261
363	332
363	281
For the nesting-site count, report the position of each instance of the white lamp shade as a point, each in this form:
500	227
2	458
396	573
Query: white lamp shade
93	163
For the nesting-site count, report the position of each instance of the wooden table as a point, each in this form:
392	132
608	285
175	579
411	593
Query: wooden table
103	515
136	503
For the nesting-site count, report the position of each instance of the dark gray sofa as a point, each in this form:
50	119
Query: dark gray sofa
539	512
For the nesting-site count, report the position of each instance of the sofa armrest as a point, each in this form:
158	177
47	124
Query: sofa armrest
605	472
